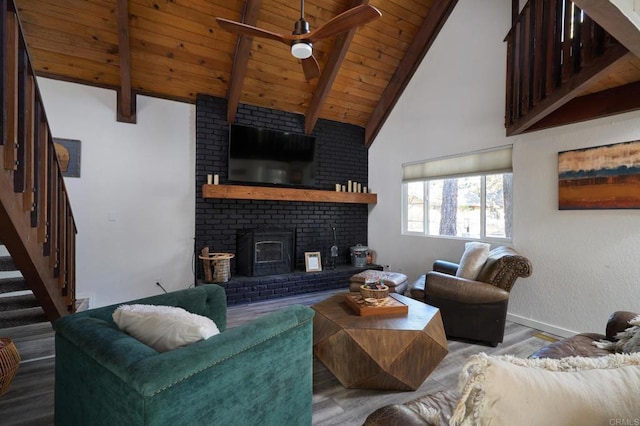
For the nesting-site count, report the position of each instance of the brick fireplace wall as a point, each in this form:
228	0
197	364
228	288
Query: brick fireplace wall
341	155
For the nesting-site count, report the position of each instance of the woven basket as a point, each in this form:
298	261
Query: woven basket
9	362
366	292
221	267
217	266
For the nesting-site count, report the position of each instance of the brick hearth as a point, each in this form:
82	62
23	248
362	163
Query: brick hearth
252	289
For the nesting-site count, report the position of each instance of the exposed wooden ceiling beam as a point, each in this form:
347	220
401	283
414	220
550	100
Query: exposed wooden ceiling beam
329	74
608	102
126	99
615	21
241	59
431	26
597	69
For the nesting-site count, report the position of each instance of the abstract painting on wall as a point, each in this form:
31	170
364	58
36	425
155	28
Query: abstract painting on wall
603	177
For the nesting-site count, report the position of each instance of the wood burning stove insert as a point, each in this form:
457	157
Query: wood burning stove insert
262	252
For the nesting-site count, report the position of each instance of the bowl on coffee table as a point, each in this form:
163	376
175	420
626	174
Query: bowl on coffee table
374	291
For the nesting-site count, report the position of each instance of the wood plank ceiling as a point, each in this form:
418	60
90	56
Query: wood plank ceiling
174	49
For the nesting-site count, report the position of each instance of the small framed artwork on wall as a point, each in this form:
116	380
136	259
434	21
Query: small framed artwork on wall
68	153
312	261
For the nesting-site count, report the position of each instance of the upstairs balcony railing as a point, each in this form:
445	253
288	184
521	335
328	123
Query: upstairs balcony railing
550	43
36	222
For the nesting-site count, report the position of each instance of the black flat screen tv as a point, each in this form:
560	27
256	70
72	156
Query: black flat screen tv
264	156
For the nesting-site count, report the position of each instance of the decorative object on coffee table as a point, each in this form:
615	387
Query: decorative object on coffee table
9	362
375	290
380	351
396	281
371	306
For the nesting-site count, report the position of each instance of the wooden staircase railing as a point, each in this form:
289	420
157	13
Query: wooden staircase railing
552	48
36	222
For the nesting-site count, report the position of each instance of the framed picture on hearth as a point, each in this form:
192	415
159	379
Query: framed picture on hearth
312	261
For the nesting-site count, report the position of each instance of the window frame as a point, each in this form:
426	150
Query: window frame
483	210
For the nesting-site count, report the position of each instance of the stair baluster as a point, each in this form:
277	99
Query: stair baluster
36	222
548	47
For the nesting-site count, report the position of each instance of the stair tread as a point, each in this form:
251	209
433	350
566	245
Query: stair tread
22	317
8	285
6	264
25	301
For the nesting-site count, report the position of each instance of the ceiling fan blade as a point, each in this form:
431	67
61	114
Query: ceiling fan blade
251	31
311	68
347	20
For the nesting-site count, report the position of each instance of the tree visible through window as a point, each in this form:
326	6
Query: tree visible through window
449	207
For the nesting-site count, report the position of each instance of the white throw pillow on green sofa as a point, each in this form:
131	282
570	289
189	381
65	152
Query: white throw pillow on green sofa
164	328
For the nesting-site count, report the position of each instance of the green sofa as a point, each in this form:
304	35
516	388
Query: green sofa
259	373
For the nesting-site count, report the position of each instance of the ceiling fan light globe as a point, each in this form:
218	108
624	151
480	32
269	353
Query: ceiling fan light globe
301	50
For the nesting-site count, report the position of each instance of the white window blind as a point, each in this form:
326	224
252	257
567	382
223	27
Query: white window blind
481	162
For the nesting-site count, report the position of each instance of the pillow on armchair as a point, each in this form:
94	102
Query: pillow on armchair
473	259
164	328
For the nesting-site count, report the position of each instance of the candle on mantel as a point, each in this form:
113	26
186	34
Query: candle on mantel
364	189
337	187
349	185
215	179
209	177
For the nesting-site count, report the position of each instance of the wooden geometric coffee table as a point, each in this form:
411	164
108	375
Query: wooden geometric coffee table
378	352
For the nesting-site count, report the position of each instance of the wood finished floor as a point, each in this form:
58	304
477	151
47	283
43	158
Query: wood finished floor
29	401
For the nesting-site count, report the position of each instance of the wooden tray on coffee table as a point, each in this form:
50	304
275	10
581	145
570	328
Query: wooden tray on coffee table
387	306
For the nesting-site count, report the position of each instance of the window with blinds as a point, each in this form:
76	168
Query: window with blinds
467	196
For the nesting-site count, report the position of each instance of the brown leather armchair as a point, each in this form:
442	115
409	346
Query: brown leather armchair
474	309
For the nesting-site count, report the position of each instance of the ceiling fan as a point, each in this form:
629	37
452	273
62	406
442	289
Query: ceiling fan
302	38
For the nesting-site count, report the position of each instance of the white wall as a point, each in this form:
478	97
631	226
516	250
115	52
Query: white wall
584	262
134	201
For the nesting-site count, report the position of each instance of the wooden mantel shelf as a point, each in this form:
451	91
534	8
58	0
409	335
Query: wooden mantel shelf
239	192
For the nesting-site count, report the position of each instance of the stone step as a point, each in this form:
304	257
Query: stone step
6	264
9	285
